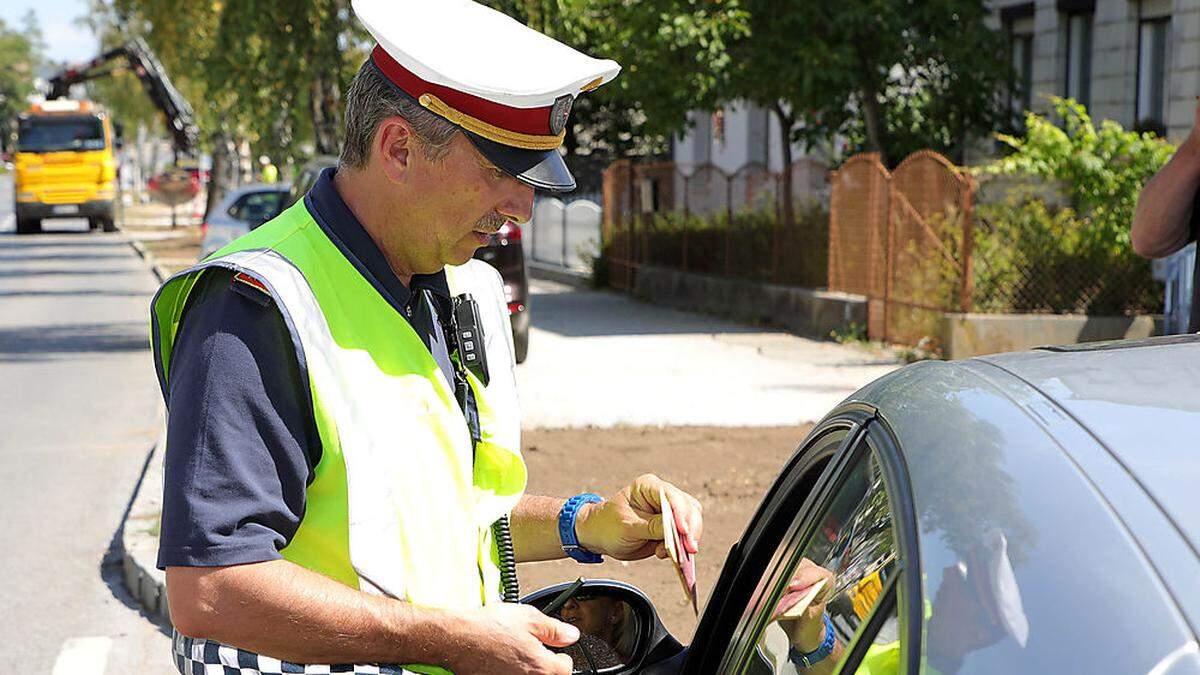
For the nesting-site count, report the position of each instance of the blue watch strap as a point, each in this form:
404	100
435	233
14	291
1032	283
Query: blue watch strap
809	659
566	528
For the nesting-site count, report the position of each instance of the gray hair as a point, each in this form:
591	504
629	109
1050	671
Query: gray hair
371	99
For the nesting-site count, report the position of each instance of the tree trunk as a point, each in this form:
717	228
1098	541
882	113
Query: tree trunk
873	117
324	106
787	123
216	178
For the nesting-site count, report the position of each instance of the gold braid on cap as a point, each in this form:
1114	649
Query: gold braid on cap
490	131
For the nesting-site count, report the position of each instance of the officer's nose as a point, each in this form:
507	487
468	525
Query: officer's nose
518	201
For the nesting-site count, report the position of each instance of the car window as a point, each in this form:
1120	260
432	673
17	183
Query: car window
851	552
256	207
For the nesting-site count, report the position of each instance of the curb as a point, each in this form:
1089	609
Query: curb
579	280
159	271
138	541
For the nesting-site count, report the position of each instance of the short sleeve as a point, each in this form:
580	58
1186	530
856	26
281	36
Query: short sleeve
241	440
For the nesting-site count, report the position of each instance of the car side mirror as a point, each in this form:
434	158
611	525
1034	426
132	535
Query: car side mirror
620	631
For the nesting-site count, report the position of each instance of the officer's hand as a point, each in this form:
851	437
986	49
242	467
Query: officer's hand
511	638
629	525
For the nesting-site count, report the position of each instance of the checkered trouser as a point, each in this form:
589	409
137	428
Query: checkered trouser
196	656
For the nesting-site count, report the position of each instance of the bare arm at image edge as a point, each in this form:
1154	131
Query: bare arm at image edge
1162	221
285	611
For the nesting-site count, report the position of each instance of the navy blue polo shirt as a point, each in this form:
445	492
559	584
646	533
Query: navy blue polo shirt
242	441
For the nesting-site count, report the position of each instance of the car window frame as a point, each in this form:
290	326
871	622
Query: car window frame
748	560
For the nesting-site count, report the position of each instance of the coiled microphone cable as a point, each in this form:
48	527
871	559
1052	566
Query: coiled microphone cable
502	533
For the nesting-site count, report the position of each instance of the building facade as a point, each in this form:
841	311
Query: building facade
1136	62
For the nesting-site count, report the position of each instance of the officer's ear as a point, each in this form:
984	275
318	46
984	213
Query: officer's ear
393	146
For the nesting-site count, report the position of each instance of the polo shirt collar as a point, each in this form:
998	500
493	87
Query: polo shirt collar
343	229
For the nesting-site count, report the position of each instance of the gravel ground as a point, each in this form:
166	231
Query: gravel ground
727	469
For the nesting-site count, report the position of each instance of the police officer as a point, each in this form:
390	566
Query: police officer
337	456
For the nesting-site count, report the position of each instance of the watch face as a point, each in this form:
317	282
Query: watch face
560	112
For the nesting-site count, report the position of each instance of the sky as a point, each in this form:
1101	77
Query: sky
65	41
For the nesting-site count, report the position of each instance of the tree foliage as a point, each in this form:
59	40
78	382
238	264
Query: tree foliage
889	76
20	56
1100	169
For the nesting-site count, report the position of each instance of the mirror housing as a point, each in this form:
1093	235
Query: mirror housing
653	646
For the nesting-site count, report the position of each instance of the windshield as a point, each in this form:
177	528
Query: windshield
56	134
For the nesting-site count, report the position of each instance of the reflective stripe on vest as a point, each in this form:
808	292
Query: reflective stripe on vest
401	504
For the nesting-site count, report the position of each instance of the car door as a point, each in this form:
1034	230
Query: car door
842	504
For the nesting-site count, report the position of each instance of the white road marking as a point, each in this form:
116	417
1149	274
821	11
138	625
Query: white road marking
83	656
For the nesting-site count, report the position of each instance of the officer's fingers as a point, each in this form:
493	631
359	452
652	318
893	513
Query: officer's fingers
552	632
688	515
645	529
660	551
560	664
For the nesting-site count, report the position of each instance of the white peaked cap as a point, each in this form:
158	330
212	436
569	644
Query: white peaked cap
477	50
509	87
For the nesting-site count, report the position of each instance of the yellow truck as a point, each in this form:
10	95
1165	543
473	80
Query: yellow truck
64	165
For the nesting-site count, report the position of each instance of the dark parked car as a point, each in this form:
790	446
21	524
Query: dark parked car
503	251
1032	512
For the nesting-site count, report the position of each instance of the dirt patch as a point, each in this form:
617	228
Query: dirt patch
727	469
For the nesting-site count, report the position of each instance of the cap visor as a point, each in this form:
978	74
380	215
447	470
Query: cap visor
543	169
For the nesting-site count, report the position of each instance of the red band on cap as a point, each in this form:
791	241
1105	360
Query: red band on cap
535	121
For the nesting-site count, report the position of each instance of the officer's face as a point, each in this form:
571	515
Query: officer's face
472	200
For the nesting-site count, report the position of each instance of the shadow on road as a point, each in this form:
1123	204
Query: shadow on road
28	256
37	343
77	271
88	292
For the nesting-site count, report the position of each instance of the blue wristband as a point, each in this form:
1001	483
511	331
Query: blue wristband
566	528
809	659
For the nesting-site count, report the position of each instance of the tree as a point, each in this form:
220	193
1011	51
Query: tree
20	56
888	75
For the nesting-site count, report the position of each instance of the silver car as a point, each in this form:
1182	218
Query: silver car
1033	512
240	211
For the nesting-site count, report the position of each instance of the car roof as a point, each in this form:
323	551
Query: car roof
1141	400
242	190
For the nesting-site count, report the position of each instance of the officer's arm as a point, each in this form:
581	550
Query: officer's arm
626	526
1164	209
293	614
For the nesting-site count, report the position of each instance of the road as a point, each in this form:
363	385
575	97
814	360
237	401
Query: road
78	414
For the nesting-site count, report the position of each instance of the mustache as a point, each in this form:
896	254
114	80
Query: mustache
490	223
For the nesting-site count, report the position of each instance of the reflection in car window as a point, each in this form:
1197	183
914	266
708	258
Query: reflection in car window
850	558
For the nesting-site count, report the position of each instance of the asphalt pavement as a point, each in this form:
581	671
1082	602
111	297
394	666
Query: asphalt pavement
79	411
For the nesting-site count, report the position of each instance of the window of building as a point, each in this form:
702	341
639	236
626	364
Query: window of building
702	138
1152	74
1018	26
1020	46
1079	56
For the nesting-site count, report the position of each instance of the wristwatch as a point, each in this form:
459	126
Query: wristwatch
809	659
566	528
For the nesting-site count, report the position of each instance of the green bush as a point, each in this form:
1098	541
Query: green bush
1101	169
1029	257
